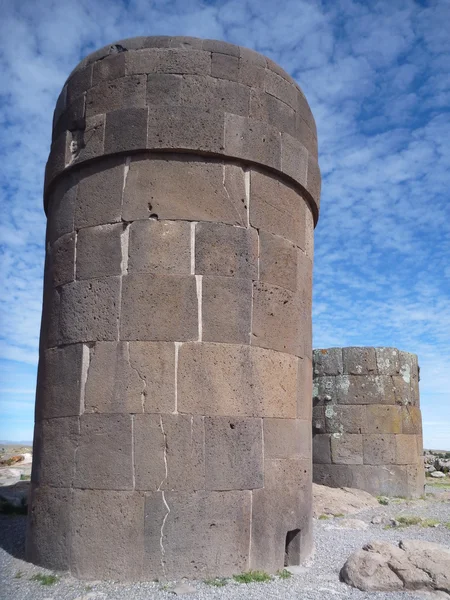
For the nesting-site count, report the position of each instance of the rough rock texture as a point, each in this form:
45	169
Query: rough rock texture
340	501
412	565
367	424
173	421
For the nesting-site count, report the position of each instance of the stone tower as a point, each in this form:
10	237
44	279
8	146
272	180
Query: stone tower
173	414
366	421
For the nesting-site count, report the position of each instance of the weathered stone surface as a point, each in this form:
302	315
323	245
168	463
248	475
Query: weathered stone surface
340	501
384	419
63	257
387	361
346	449
159	307
99	251
322	448
348	419
359	361
278	260
168	60
287	438
370	389
328	362
123	93
379	449
61	207
126	130
253	140
304	389
224	66
406	450
211	94
54	456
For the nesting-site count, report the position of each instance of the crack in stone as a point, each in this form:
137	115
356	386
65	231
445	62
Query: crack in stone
161	537
141	377
227	193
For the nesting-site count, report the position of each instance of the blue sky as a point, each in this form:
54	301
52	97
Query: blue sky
376	75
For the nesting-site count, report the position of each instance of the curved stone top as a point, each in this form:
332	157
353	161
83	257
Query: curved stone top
363	360
182	94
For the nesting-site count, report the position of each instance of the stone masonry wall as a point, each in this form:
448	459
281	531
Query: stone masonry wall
173	413
367	425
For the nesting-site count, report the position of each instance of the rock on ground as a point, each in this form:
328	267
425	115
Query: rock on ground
340	501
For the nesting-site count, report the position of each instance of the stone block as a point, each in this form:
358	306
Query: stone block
168	60
221	47
59	391
104	455
252	56
169	452
185	128
99	199
304	112
72	119
159	308
359	361
278	260
314	180
226	309
294	159
251	74
287	438
204	532
63	256
379	449
233	453
90	310
50	323
381	480
211	94
402	389
309	233
347	449
60	208
253	140
48	540
56	441
92	139
99	251
346	419
224	66
162	247
181	188
57	160
107	535
265	107
304	389
281	88
387	361
384	419
164	88
318	420
411	420
126	130
334	475
321	445
305	134
78	84
324	390
226	379
226	251
123	93
416	480
60	106
276	319
277	208
111	67
406	449
369	389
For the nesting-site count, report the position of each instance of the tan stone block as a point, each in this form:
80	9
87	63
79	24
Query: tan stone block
226	309
104	455
379	449
159	247
406	449
226	251
265	107
251	74
277	208
55	443
280	88
387	361
321	445
226	379
277	261
90	310
99	251
211	94
416	480
253	140
168	60
99	198
368	389
359	361
346	419
304	389
107	96
287	438
276	319
107	535
202	530
347	449
305	134
155	364
294	159
384	419
233	453
181	188
63	256
159	308
381	480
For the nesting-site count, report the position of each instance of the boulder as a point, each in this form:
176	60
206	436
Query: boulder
340	501
437	474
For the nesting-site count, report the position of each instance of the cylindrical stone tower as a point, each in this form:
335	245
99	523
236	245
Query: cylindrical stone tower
367	425
173	415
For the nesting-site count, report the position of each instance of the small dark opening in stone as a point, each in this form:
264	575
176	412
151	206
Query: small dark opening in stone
292	548
232	425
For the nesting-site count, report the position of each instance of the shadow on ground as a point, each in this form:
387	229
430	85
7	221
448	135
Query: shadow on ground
13	526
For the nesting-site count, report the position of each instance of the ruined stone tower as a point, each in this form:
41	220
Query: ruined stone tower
367	422
173	414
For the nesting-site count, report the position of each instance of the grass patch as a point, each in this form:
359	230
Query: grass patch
429	523
284	574
324	517
252	577
383	500
447	525
406	521
18	575
339	515
216	582
45	579
8	508
24	477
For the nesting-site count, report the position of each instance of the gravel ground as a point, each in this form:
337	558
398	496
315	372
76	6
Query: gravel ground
319	579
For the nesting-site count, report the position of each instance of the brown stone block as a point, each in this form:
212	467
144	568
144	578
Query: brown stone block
48	541
59	382
226	379
253	140
93	138
334	475
50	323
204	533
185	128
280	88
60	107
379	449
123	93
304	111
294	160
368	389
305	134
287	438
252	56
347	449
169	452
221	47
226	309
384	419
99	199
126	130
57	160
162	247
406	449
314	180
155	363
226	251
224	66
71	119
309	233
90	310
168	60
321	444
359	361
60	208
159	308
416	480
304	389
181	188
210	94
277	208
385	480
78	84
265	107
56	441
104	455
276	319
233	453
387	361
63	255
163	89
99	251
111	67
278	260
107	535
346	419
251	74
